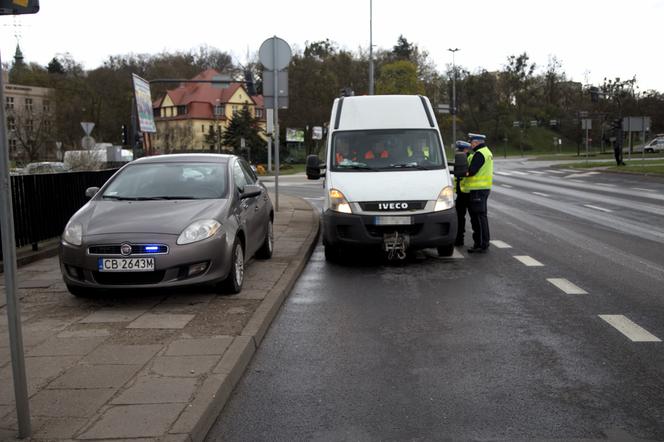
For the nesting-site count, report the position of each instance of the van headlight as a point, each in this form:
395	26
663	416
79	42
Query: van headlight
338	202
73	233
198	231
445	199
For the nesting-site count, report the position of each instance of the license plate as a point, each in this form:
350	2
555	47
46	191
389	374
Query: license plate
126	264
393	220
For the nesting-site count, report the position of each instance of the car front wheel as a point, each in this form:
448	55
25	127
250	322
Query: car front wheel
235	278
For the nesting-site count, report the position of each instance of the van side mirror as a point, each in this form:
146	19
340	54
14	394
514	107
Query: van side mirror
313	167
91	191
460	164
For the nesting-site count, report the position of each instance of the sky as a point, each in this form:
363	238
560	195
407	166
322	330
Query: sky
592	39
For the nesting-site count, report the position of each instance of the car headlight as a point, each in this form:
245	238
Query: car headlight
198	231
73	233
445	199
338	202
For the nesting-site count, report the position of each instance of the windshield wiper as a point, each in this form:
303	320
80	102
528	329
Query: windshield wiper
355	167
407	166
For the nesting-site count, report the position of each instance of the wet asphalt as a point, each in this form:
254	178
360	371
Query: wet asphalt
476	347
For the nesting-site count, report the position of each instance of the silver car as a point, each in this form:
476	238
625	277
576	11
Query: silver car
168	221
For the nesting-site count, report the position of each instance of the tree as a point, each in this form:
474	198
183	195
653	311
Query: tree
33	132
399	77
55	67
403	50
214	138
244	125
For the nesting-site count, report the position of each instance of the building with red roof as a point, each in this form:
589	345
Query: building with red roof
190	116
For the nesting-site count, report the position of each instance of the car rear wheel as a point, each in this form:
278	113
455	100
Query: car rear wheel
265	252
445	251
235	278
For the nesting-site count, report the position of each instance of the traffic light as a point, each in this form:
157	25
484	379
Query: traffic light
125	136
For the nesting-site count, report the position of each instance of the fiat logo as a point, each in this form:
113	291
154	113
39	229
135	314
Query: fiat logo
125	249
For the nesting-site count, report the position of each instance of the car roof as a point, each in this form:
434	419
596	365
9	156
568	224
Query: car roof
186	158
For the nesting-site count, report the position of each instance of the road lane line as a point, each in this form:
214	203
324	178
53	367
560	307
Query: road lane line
567	286
504	173
555	171
519	172
541	194
643	190
500	244
536	171
507	185
528	261
628	328
590	206
605	184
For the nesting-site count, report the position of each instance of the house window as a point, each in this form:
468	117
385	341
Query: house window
182	110
218	110
259	113
11	124
235	108
47	125
12	144
30	125
28	104
156	112
9	103
46	106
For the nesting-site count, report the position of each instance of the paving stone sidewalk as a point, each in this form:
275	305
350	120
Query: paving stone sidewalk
144	366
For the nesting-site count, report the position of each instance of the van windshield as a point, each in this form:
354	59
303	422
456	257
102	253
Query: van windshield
386	149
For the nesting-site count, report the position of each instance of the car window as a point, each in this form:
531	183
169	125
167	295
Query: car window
239	177
169	181
248	172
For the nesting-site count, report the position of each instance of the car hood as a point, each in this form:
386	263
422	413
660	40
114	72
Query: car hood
411	185
158	217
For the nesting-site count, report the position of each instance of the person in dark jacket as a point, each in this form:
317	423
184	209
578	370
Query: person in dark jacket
478	182
462	197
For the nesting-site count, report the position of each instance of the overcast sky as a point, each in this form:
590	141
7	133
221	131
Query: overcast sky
592	39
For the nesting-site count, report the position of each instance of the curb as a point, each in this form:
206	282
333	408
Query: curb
49	248
195	422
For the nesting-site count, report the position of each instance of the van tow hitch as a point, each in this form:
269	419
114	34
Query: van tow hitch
395	245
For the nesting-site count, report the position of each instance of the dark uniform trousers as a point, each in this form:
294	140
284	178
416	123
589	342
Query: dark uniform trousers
461	209
477	207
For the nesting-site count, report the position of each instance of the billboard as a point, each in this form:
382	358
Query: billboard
143	105
15	7
294	135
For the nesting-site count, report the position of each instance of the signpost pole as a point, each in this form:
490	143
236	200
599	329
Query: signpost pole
269	153
275	73
9	262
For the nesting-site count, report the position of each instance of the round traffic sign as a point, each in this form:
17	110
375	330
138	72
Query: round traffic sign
266	54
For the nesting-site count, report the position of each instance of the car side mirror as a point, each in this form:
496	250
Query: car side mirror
250	191
91	191
460	164
313	167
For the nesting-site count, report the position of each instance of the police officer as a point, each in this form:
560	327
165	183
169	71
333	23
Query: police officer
462	196
478	181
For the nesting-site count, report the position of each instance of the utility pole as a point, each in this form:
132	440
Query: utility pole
371	63
454	109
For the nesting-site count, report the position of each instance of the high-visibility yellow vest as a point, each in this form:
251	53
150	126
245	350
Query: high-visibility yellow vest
483	179
463	186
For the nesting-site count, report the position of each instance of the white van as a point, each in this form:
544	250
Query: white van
387	183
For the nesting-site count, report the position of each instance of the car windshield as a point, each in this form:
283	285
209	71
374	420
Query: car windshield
157	181
375	150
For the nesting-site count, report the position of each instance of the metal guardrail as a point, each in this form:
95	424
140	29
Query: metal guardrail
43	203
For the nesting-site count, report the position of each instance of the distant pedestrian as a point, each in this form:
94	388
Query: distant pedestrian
478	182
462	196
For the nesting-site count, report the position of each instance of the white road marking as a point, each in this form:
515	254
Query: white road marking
504	173
567	286
575	181
643	190
507	185
457	255
529	261
628	328
519	172
541	194
536	171
602	209
555	171
605	184
587	174
500	244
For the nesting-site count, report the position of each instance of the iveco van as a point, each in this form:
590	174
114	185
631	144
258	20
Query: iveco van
387	184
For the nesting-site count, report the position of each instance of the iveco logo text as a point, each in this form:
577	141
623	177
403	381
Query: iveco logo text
392	206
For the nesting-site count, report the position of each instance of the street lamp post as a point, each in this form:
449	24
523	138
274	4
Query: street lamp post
454	109
371	65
